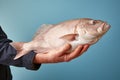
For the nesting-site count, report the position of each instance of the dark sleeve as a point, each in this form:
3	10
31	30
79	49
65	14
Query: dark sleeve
7	53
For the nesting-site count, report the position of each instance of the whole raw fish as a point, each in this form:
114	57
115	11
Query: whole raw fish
74	32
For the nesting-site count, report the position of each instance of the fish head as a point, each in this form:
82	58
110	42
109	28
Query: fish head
92	30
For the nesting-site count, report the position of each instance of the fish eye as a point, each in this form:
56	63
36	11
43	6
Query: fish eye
93	22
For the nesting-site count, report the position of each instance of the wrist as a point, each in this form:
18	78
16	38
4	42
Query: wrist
37	59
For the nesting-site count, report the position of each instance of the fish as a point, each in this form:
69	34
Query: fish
52	36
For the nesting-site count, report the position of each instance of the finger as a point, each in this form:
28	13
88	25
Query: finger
74	54
62	50
85	47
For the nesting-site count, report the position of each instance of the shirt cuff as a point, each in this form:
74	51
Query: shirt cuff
28	61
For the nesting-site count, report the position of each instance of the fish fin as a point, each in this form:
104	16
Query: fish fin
19	48
69	37
42	50
20	54
17	45
43	29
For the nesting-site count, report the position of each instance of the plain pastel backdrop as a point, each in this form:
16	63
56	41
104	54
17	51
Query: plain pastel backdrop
21	18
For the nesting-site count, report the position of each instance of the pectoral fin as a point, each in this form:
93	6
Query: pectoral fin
69	37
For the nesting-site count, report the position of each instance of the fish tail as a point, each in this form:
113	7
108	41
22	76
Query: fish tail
20	54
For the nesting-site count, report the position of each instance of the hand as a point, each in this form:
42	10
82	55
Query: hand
60	55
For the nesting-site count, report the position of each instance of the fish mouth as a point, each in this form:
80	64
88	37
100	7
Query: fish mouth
104	26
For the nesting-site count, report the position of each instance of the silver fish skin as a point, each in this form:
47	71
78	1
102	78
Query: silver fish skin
75	32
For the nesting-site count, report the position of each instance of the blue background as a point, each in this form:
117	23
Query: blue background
21	18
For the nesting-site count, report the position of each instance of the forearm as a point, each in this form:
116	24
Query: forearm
7	53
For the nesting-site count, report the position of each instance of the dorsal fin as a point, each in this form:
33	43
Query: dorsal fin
43	29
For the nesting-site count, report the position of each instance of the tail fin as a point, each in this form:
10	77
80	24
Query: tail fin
20	54
19	46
